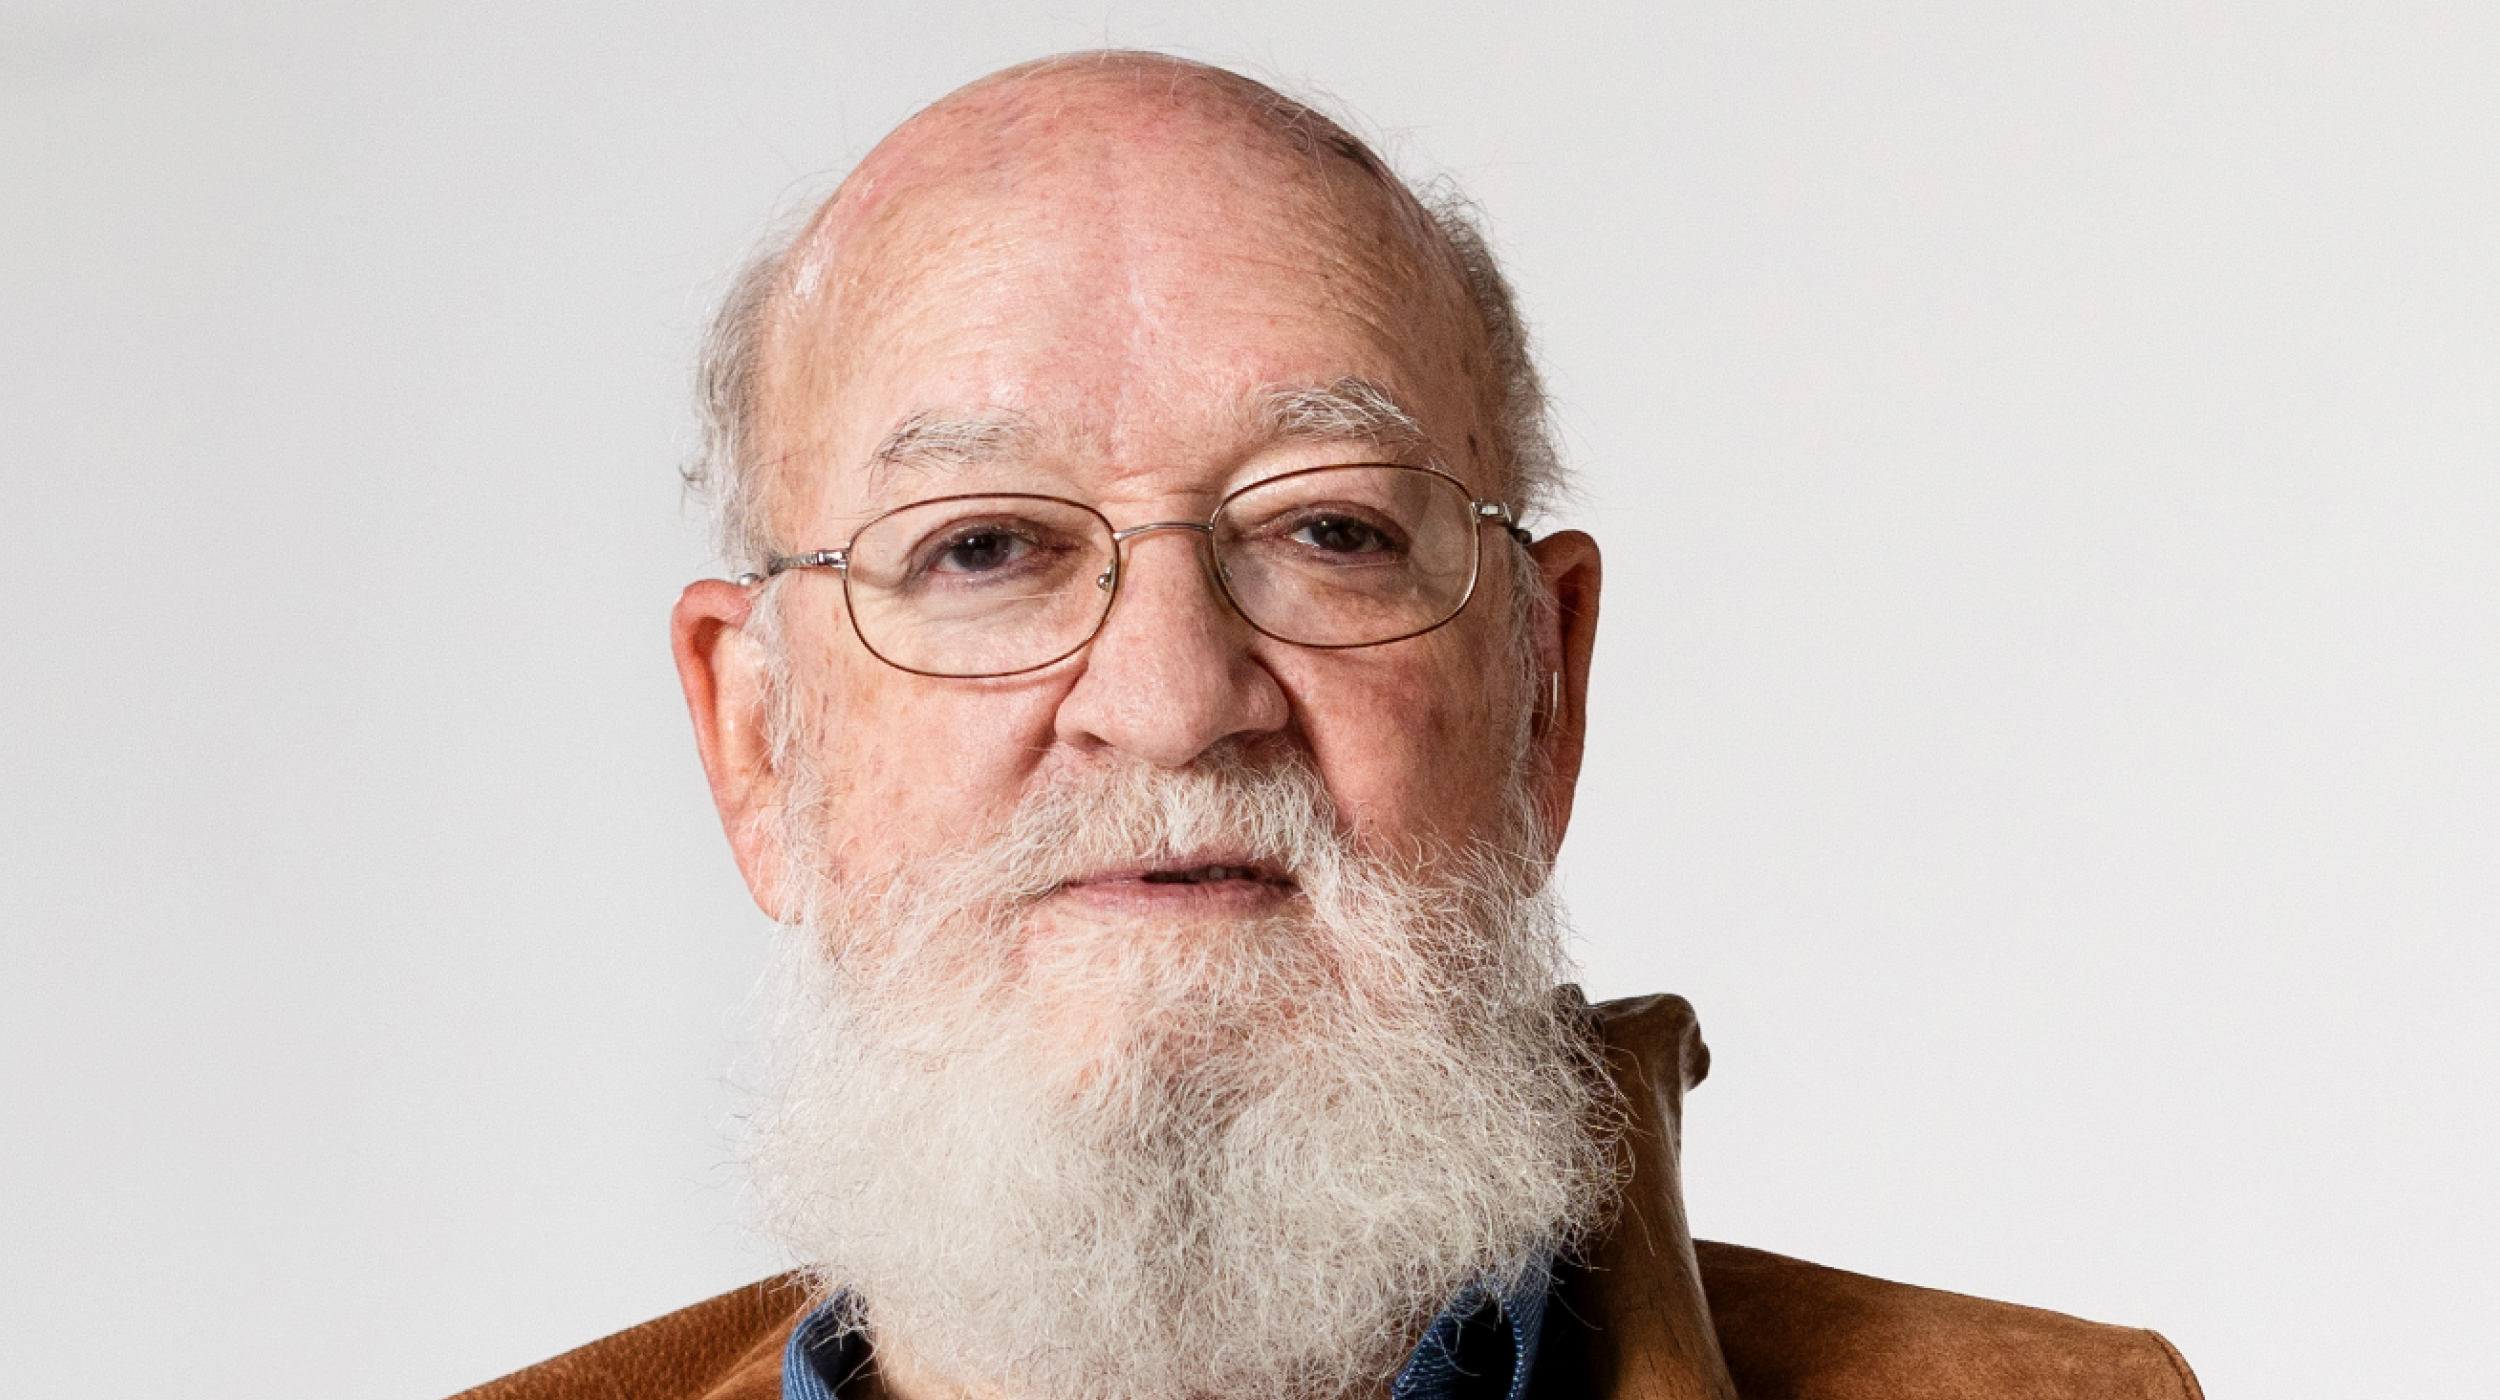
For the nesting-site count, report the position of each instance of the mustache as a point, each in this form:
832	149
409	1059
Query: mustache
1273	814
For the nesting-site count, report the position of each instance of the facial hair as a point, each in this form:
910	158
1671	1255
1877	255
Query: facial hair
1270	1148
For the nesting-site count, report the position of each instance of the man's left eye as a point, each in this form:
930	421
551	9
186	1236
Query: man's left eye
1342	534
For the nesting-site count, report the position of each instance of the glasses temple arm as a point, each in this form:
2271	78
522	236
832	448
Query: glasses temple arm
779	564
1500	513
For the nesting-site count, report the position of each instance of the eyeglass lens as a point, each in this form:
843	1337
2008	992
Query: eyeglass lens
991	585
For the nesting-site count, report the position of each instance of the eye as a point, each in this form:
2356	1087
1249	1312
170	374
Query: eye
1342	534
979	551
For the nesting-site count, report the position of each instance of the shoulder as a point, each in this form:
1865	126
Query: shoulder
724	1348
1652	1312
1791	1330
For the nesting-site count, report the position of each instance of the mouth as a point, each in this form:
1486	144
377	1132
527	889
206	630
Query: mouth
1210	874
1192	880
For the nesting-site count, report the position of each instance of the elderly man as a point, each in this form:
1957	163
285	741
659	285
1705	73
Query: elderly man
1152	726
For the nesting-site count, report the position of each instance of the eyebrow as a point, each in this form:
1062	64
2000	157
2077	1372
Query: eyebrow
1353	410
936	442
1347	410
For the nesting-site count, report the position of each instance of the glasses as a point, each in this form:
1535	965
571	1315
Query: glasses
1331	557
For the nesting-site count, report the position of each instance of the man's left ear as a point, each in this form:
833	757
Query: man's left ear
721	668
1566	635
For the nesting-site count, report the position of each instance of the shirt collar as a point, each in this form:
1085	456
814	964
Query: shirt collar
1482	1347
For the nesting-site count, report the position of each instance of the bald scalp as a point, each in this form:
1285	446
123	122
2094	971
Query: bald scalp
991	126
952	195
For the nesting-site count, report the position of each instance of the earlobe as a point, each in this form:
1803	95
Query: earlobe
721	669
1548	703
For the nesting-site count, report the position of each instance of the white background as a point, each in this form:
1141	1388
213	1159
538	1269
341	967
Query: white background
2047	714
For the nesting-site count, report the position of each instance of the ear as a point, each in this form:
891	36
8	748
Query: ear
1566	635
722	670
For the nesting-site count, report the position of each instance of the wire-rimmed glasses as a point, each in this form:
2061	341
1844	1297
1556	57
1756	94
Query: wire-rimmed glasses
993	585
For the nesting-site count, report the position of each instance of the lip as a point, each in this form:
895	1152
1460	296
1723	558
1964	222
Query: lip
1211	881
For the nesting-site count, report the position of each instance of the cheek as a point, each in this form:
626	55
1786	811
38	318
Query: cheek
917	765
1412	738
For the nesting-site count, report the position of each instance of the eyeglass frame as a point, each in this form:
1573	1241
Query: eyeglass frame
1481	511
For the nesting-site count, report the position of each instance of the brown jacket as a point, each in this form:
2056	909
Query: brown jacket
1651	1315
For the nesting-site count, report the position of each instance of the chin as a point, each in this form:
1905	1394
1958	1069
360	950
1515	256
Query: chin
1173	988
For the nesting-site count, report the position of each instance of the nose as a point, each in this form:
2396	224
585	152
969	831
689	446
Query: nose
1171	674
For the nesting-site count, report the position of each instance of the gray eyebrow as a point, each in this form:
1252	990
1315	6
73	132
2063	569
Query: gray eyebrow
940	442
1348	410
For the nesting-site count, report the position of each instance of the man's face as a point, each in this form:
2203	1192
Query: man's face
1109	316
1030	1083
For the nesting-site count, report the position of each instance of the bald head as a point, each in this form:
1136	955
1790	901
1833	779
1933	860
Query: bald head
999	133
1086	213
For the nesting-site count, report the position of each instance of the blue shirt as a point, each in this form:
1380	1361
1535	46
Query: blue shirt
1481	1347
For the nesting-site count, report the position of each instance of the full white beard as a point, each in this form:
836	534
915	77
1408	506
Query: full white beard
1265	1156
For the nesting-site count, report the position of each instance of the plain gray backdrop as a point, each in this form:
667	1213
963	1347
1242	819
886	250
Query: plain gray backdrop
2048	458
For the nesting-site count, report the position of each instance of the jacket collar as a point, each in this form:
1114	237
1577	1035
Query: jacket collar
1629	1320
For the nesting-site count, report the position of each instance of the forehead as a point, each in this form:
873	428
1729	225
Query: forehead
1129	286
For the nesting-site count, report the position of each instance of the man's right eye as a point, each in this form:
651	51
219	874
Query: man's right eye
979	552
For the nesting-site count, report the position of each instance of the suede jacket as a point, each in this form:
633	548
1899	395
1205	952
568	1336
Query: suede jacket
1650	1314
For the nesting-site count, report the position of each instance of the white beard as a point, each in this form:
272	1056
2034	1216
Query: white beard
1273	1154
